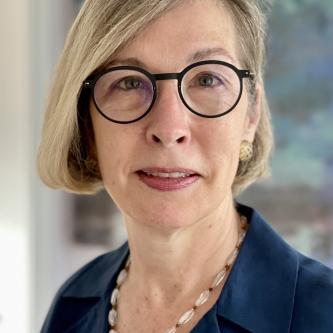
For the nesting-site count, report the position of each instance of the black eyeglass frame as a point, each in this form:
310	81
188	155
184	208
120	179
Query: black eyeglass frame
241	73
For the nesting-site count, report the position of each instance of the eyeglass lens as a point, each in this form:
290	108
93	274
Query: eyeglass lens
209	89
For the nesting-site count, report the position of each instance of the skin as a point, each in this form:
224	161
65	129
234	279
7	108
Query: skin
180	239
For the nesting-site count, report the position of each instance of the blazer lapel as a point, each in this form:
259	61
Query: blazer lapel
260	291
94	321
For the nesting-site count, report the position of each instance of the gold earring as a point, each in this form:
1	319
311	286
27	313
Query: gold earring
246	151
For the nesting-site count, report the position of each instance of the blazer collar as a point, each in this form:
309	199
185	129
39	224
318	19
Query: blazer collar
88	298
259	293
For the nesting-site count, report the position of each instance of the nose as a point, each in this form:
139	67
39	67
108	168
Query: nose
168	121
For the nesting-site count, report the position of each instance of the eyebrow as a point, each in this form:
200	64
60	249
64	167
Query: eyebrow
204	53
197	56
128	61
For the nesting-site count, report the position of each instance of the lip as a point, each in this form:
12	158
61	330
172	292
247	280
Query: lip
166	184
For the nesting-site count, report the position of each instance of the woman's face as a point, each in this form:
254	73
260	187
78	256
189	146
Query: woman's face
171	142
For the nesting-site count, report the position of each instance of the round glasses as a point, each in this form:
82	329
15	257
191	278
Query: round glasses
125	94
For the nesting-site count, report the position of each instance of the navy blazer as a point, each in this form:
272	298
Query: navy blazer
272	288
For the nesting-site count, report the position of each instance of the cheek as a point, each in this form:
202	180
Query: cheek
116	147
111	156
222	140
106	140
220	146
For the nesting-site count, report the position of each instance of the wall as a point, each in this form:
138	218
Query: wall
15	148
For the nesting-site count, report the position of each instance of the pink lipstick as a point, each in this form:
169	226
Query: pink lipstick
167	179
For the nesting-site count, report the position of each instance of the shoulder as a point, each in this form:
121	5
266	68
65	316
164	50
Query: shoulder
301	297
313	307
83	290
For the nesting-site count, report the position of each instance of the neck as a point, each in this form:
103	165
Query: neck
166	267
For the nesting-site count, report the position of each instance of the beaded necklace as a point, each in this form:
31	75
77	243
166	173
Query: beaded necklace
202	299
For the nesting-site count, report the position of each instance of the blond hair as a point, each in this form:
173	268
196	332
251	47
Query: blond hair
66	157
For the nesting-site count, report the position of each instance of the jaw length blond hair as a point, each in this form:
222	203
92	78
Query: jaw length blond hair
66	157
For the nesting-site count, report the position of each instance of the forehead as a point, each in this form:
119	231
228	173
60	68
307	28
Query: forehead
194	30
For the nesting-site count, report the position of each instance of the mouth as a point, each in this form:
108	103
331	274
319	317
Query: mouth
167	179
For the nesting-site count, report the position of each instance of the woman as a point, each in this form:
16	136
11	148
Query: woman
172	121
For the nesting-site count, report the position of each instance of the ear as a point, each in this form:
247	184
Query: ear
253	115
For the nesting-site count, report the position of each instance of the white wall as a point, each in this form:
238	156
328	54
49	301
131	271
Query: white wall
15	149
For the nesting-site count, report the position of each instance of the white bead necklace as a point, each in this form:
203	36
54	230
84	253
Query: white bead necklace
202	299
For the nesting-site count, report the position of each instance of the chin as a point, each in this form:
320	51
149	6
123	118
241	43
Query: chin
168	216
169	221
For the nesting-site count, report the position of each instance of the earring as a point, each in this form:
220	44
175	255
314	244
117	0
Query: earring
246	151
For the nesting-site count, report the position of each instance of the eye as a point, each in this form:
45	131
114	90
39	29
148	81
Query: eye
130	83
207	80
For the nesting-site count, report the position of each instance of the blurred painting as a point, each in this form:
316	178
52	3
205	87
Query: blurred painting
298	198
